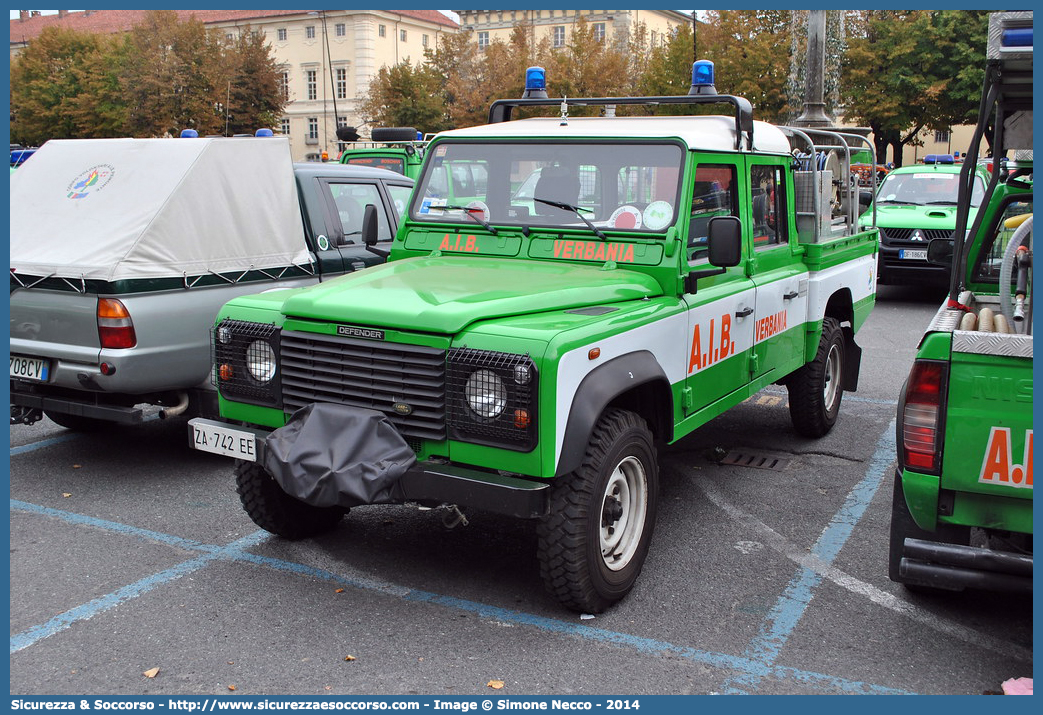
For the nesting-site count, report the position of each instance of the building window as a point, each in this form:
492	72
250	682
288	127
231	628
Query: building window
309	32
599	32
941	137
402	35
342	122
559	35
284	126
423	40
229	36
281	34
483	40
653	38
340	29
341	75
312	84
313	130
284	85
382	30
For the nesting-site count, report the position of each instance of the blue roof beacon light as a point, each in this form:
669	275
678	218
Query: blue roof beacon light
189	134
702	78
264	133
535	83
1017	37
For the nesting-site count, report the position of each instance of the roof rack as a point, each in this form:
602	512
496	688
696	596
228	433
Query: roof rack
501	109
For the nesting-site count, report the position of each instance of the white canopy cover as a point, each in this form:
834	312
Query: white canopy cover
117	209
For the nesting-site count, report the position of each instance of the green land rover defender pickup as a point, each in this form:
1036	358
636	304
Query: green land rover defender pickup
962	507
523	353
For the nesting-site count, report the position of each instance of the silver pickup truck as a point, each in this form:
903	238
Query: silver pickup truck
123	250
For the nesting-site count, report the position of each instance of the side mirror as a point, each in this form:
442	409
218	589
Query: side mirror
724	241
865	199
940	251
369	231
724	249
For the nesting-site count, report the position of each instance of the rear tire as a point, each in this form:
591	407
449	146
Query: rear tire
903	527
274	510
815	390
594	542
77	423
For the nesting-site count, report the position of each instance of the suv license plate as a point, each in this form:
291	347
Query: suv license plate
907	255
26	368
216	438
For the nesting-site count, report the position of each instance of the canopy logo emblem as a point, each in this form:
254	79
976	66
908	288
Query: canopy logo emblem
90	181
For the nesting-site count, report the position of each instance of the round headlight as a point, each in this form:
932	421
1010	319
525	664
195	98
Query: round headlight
485	393
260	361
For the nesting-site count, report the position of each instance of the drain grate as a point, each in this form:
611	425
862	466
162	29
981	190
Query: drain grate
756	460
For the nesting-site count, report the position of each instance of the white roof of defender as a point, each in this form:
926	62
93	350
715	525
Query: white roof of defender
702	133
113	209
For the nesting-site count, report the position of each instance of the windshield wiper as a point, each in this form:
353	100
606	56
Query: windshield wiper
896	201
941	203
473	213
576	210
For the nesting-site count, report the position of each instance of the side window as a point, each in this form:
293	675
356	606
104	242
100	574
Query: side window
351	201
990	261
714	194
400	197
766	201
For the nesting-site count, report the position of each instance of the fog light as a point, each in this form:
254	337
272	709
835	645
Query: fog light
107	369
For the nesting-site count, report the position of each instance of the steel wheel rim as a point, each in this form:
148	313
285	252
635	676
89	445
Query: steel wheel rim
623	508
832	377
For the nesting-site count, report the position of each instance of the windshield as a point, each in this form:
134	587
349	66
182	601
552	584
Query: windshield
614	186
926	188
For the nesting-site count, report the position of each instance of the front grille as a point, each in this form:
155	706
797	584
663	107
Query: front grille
906	234
405	382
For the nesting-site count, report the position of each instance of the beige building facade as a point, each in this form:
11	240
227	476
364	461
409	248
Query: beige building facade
557	25
321	91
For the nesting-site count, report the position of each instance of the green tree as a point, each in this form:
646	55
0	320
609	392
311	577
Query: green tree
65	85
173	76
252	92
406	96
750	50
910	70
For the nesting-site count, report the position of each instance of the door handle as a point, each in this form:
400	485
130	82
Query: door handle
790	296
743	312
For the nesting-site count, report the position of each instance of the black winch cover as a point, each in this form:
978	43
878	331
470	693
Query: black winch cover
336	455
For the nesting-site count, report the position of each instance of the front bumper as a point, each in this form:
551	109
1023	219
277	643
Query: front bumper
429	483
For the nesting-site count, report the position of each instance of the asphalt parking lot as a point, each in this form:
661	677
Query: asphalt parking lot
129	552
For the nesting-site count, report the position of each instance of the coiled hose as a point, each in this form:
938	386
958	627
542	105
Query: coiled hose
1016	315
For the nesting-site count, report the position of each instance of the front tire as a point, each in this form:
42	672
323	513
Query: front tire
594	542
816	389
274	510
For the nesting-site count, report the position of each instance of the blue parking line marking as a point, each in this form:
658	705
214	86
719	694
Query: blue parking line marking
33	446
236	553
787	612
104	603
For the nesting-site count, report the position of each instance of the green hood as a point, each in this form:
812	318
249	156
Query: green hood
926	217
442	294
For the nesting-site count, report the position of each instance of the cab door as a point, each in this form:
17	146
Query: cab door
721	310
780	277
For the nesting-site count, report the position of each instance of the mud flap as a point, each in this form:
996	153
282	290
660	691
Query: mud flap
336	455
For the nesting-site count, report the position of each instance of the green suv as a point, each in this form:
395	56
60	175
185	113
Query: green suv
914	205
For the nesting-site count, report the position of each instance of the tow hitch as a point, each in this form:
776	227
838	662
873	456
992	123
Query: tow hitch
25	415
